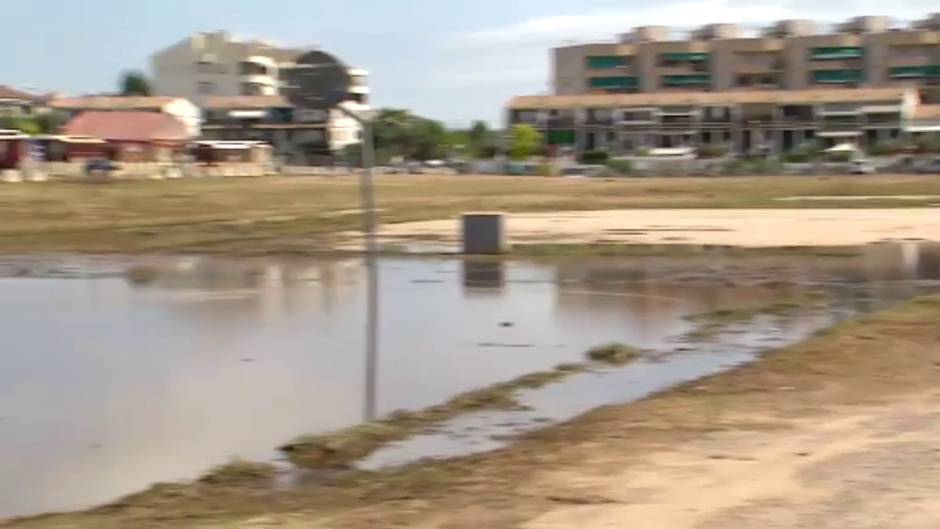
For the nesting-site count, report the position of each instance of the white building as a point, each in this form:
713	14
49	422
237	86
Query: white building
207	66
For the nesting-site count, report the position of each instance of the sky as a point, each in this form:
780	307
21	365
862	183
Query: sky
451	60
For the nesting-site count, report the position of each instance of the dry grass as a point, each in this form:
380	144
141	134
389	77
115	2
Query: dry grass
297	215
614	354
873	360
341	448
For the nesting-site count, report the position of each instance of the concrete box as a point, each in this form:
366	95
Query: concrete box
484	233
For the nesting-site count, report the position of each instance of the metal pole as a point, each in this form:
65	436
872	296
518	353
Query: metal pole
367	193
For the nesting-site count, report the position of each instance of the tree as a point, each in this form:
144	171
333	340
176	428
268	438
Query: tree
50	122
134	83
481	142
25	125
400	133
524	141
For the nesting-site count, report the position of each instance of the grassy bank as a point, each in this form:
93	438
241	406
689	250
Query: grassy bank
298	215
870	361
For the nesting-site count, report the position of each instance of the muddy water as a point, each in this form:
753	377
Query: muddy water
118	373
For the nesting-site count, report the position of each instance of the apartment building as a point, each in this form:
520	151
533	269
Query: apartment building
233	80
298	136
742	121
788	55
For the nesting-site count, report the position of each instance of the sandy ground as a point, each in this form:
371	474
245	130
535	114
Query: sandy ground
876	467
738	227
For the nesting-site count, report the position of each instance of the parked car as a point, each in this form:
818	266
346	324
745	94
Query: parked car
861	167
928	167
100	165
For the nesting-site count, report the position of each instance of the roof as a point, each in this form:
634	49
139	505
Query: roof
708	98
112	103
11	93
127	126
244	102
925	112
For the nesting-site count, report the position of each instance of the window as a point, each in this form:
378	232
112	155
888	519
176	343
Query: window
914	72
606	62
205	87
207	67
836	76
686	80
251	68
836	53
682	58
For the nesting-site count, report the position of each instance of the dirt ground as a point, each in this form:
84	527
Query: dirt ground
841	431
734	227
281	215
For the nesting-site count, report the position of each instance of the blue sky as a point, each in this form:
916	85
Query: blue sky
453	60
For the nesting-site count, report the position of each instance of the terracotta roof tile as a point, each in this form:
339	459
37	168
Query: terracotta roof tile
11	93
127	126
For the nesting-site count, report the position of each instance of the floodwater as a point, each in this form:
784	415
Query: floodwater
117	373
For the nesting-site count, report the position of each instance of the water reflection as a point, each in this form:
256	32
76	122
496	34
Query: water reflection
482	275
110	383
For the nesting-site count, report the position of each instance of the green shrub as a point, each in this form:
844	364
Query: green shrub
805	153
887	148
615	353
593	157
929	144
546	169
839	157
623	167
712	151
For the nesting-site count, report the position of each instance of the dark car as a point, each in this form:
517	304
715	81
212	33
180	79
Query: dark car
100	165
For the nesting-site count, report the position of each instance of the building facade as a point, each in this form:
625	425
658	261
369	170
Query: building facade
16	103
788	55
298	136
743	122
222	74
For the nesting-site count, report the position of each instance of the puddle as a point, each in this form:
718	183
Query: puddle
110	384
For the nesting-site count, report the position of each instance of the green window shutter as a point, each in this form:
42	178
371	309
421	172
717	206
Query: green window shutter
687	80
560	137
606	62
914	72
620	82
836	53
685	57
837	76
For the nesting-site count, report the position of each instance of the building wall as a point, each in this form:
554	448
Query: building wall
207	64
782	59
187	112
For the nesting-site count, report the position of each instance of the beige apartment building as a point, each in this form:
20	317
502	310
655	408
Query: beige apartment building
740	121
788	55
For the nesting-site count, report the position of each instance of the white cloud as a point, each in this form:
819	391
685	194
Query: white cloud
605	25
